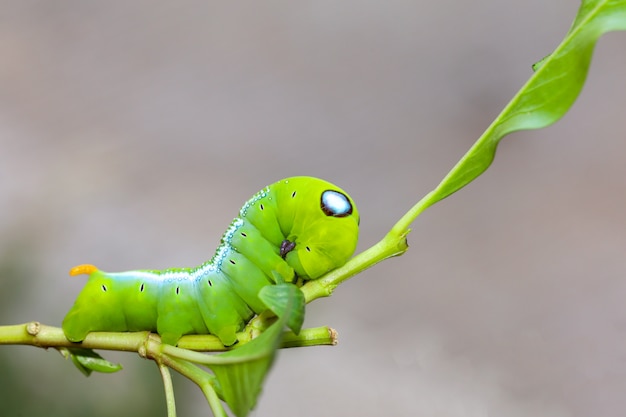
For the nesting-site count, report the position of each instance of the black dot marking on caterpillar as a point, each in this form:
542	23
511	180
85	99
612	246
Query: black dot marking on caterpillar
293	195
286	246
231	261
308	249
261	206
104	288
177	290
141	288
243	234
210	283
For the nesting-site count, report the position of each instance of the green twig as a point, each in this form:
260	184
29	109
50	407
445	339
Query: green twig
169	389
393	244
204	380
40	335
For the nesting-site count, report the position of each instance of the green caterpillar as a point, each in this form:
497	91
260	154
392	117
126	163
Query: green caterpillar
298	228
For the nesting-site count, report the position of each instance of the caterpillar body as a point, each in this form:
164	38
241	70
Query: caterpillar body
298	228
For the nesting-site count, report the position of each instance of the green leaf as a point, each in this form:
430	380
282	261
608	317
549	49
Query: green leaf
88	361
285	300
241	371
544	99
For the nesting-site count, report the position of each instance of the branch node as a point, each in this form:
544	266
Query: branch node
142	351
33	328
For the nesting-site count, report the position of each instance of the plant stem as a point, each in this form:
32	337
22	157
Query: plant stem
43	336
315	336
201	378
169	389
40	335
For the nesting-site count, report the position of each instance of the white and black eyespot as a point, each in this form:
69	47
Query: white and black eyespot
335	204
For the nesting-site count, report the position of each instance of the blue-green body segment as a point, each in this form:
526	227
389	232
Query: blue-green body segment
318	220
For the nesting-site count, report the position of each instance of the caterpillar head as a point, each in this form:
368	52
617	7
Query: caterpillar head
320	223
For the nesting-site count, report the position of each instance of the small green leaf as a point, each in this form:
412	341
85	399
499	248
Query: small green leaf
544	99
285	299
88	361
241	371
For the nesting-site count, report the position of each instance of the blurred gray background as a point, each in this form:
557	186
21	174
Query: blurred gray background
132	132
